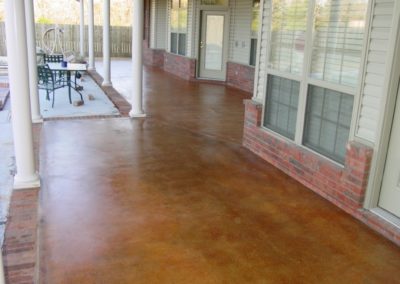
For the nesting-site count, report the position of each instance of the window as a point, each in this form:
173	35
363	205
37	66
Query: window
254	31
289	22
319	66
178	27
338	41
281	110
327	125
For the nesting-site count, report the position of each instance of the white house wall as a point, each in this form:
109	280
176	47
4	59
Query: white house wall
191	32
158	30
378	61
240	31
168	28
260	78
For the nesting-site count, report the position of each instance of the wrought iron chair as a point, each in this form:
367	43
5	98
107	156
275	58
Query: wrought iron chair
47	58
55	58
48	81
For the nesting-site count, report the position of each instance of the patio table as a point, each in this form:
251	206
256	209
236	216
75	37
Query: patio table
71	67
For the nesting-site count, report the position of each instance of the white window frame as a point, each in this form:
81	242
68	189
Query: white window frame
170	30
252	36
305	79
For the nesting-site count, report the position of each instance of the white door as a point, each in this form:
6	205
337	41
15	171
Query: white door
390	193
213	45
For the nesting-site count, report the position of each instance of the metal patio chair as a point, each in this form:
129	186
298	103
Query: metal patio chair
55	58
48	81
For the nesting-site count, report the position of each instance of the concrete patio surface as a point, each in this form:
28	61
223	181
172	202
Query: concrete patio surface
7	166
121	72
175	198
100	106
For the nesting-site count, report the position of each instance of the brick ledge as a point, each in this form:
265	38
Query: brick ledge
343	186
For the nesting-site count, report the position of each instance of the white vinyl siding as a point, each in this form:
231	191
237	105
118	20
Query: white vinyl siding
194	17
190	28
377	63
168	37
240	31
261	75
158	28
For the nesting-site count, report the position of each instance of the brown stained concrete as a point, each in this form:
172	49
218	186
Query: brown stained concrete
174	198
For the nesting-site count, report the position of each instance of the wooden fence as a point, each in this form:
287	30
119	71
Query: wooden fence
120	39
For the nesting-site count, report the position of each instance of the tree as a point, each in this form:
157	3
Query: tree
68	12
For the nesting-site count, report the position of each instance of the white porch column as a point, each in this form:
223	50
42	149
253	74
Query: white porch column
32	62
82	30
26	176
91	35
106	44
137	61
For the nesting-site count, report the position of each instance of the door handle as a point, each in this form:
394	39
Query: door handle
201	44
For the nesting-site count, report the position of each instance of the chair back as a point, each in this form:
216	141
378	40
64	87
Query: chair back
45	75
53	58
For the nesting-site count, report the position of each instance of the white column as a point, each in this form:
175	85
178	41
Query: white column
26	176
2	277
32	61
106	44
137	61
91	35
82	30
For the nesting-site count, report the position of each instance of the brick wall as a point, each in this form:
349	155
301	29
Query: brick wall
181	66
153	57
345	186
240	76
20	244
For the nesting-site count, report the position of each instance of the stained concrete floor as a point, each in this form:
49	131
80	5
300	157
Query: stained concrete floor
174	198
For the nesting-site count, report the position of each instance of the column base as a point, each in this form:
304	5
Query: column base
106	84
27	182
136	115
38	119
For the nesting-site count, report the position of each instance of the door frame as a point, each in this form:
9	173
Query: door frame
385	123
210	8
